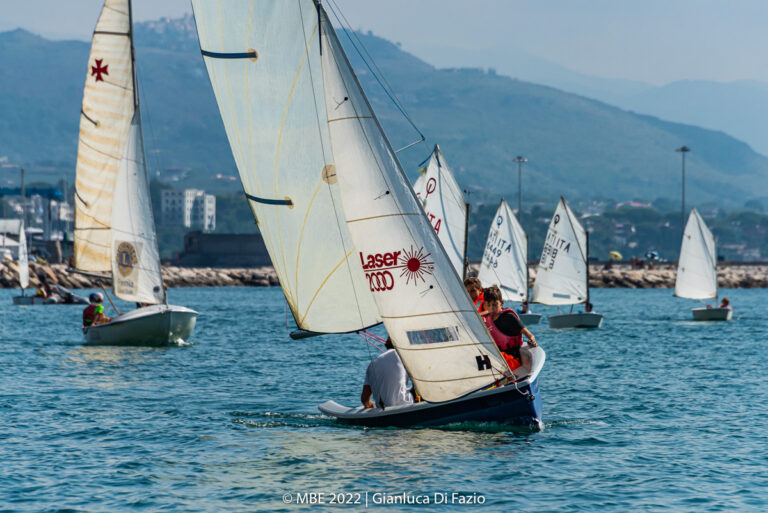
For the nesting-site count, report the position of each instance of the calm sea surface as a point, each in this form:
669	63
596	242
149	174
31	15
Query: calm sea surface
649	413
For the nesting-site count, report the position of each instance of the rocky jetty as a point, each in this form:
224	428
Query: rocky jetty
729	276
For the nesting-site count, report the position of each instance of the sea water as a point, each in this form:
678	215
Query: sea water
651	412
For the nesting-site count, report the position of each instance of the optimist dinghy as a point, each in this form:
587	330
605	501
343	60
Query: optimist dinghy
114	226
320	147
562	277
697	269
505	260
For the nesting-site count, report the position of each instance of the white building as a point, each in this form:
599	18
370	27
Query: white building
191	208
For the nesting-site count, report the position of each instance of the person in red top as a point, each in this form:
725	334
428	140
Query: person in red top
475	290
94	312
507	330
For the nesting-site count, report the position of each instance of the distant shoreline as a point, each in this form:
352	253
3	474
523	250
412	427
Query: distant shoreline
740	276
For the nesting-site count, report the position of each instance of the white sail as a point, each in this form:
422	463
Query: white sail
561	276
445	207
505	261
440	337
23	258
263	60
420	186
136	272
697	268
107	110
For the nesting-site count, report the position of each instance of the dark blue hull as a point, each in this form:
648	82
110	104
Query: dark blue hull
508	405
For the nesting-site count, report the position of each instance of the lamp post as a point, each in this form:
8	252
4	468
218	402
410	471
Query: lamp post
683	150
520	160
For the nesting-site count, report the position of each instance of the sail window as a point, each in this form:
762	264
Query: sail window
434	336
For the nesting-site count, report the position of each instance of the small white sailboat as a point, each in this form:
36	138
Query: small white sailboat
505	260
23	263
697	269
562	276
114	226
445	207
307	143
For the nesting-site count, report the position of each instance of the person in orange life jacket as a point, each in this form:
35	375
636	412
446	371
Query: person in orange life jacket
507	330
94	312
475	290
386	381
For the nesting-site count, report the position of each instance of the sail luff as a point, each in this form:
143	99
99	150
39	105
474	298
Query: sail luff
441	339
263	62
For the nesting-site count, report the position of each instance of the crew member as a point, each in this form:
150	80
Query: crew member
475	290
386	381
507	330
94	312
725	303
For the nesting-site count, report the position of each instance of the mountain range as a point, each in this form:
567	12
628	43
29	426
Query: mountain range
576	146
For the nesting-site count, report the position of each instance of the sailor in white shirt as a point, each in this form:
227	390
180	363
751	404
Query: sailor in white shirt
386	381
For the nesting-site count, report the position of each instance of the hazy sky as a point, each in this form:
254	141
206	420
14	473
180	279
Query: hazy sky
655	41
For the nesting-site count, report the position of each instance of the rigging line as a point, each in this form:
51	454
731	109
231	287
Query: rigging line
318	115
478	345
392	96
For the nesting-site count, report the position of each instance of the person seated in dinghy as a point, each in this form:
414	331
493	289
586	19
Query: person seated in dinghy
523	308
386	381
725	303
94	313
587	308
507	331
475	290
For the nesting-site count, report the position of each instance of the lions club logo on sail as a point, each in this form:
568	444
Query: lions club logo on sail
384	270
126	258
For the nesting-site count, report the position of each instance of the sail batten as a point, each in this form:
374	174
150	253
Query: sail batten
417	291
264	64
697	268
505	261
561	275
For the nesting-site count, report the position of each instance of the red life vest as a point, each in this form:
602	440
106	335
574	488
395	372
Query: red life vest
89	314
505	342
480	303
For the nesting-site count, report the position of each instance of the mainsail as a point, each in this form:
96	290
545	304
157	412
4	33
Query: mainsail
105	118
136	272
697	268
23	258
263	59
561	276
505	261
441	339
445	207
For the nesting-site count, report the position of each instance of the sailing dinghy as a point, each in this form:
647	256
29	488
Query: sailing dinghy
307	144
562	276
505	260
23	263
114	226
444	205
697	269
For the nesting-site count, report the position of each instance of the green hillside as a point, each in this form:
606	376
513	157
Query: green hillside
577	147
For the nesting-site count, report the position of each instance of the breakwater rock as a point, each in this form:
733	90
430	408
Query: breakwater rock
729	276
173	277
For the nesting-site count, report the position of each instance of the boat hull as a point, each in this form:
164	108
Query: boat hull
155	325
530	318
712	314
30	300
578	320
506	405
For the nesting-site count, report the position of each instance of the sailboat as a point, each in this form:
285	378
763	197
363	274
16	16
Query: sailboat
114	226
562	276
288	96
505	260
23	263
444	205
697	269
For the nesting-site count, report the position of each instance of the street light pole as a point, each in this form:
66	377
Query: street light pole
520	160
683	150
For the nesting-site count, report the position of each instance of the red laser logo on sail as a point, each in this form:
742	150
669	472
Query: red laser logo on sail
413	265
98	70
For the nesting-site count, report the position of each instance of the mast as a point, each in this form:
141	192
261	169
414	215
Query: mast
527	271
133	57
587	251
466	238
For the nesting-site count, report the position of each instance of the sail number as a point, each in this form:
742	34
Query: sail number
494	248
553	246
